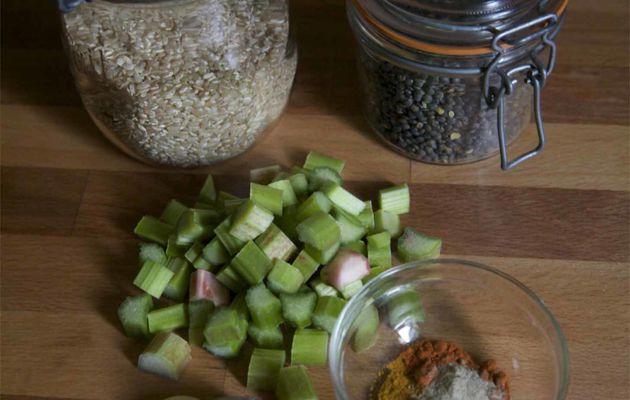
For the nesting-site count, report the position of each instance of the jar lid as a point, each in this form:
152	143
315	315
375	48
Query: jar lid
453	27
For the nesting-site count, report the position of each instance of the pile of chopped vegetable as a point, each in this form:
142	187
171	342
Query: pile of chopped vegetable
285	260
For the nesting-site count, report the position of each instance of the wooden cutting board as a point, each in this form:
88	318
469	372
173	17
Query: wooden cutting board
558	223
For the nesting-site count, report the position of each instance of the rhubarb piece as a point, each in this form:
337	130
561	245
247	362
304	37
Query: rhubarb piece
168	318
327	311
351	289
299	182
315	159
385	221
152	252
264	308
198	313
208	193
229	203
357	246
205	286
267	338
347	267
225	333
133	315
323	289
288	222
231	279
320	176
310	347
275	244
379	250
306	265
154	230
249	221
350	227
367	217
240	305
297	308
413	245
343	199
263	175
282	175
153	278
322	256
404	308
374	272
284	278
394	199
267	197
365	329
167	356
173	212
201	263
294	384
315	203
251	263
288	195
231	243
193	252
177	287
264	367
215	253
189	228
173	249
319	230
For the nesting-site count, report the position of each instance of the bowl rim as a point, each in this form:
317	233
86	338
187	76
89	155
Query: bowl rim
335	347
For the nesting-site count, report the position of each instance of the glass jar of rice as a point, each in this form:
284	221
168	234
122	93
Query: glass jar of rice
181	83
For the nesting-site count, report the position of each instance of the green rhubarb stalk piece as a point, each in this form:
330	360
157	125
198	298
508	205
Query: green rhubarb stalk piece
167	356
374	272
173	249
356	246
193	252
177	287
299	182
263	175
231	279
309	347
297	308
404	308
133	315
394	199
264	367
327	311
280	176
275	244
173	212
215	253
295	384
315	159
413	245
240	305
319	231
249	221
168	318
267	197
284	278
267	338
320	176
154	230
152	252
379	250
315	203
153	278
201	263
189	228
251	263
350	227
225	332
365	329
208	193
230	243
288	194
323	289
385	221
367	217
288	222
306	265
343	199
351	289
322	256
264	308
199	312
228	202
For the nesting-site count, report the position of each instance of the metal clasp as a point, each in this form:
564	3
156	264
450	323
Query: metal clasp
537	73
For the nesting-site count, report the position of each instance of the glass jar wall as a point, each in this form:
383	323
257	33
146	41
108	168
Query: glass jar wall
182	83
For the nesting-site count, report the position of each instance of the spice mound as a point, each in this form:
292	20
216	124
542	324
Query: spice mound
440	370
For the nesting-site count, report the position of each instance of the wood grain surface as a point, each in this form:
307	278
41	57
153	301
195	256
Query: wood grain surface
559	223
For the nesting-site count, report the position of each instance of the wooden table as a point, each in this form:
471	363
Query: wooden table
558	223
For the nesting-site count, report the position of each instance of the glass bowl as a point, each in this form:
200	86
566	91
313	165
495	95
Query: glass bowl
485	311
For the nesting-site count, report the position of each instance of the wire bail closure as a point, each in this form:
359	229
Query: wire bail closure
537	73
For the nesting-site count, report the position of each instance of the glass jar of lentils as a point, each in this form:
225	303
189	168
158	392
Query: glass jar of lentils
181	83
454	81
